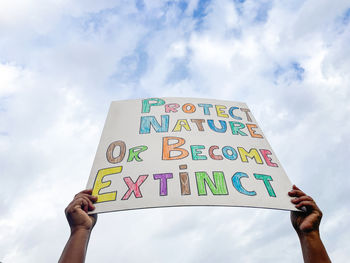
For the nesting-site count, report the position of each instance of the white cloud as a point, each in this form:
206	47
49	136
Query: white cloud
62	63
8	75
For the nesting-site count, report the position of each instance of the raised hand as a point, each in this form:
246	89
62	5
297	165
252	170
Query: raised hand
76	211
309	219
306	223
81	224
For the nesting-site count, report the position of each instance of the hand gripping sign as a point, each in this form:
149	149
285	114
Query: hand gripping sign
162	152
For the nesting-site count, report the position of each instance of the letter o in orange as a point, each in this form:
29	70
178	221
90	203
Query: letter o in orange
188	108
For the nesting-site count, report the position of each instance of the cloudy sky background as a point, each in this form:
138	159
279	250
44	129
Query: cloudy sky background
62	62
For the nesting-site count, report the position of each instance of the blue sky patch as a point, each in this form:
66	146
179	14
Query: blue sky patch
299	71
292	72
346	17
239	6
179	71
94	21
201	12
262	12
182	5
140	5
132	67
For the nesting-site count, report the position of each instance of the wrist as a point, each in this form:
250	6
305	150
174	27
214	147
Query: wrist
311	235
80	230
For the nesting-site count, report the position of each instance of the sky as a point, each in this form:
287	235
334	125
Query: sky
63	62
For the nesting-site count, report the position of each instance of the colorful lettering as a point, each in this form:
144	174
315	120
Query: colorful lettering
206	108
135	151
217	188
230	111
266	179
196	151
171	107
249	119
220	111
147	121
252	132
146	104
100	184
168	148
236	181
110	151
265	154
212	155
226	150
199	123
163	182
181	123
214	128
134	187
253	154
184	183
236	128
188	108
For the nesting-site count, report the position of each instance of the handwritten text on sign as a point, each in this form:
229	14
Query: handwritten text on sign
179	151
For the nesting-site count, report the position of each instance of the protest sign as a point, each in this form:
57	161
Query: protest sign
162	152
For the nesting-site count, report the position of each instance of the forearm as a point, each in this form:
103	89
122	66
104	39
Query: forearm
75	249
313	248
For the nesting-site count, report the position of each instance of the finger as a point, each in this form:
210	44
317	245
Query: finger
296	187
91	197
77	203
87	191
87	205
83	203
297	200
296	193
303	208
310	205
90	205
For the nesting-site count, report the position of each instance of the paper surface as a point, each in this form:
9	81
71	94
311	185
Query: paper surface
162	152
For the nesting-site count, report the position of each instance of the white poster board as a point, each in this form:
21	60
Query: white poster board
162	152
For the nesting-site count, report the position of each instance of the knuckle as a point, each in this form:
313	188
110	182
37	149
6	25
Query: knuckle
320	214
68	210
